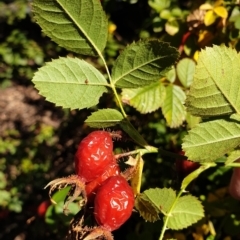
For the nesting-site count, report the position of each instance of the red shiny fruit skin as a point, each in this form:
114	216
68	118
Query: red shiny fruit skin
91	188
94	154
113	203
234	186
42	208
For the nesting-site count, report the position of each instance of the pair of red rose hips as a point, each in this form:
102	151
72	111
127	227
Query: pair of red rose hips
110	193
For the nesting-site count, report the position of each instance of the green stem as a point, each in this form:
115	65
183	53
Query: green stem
135	152
118	99
186	181
112	85
169	215
126	125
234	164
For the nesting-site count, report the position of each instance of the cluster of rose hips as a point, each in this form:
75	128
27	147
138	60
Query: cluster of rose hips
102	185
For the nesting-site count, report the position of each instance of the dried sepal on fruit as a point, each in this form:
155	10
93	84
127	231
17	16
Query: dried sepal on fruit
99	233
77	189
77	230
132	164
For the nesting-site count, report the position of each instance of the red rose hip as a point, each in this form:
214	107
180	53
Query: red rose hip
234	186
185	167
42	208
113	203
94	154
91	188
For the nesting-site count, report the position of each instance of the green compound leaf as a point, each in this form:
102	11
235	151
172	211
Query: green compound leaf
215	89
185	71
104	118
78	26
161	198
70	83
148	211
211	140
187	211
172	107
146	99
142	63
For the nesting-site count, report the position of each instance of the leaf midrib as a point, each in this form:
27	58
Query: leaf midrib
138	67
73	83
100	121
79	27
221	90
216	141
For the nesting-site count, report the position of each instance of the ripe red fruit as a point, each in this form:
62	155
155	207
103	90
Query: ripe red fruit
234	187
91	188
42	208
94	154
113	203
185	167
